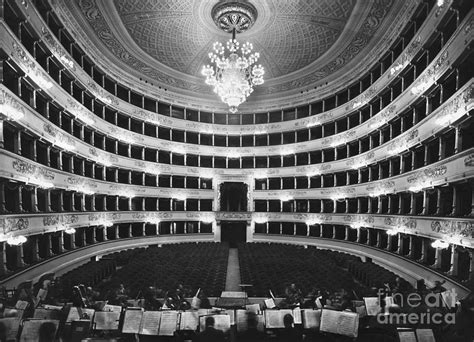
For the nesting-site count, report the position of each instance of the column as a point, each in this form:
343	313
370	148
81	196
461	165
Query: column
94	236
457	140
129	230
48	245
378	244
389	242
35	249
412	204
411	247
347	233
438	202
453	270
117	233
438	256
471	183
143	229
426	203
424	251
19	202
3	258
19	262
455	206
61	242
442	148
333	231
401	244
73	241
2	198
104	233
471	266
359	236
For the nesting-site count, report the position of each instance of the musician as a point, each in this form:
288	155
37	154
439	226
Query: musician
210	334
438	287
293	295
289	333
252	334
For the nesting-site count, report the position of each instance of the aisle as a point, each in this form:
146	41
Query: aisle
233	271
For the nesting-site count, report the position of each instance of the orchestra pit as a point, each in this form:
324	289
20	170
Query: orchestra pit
236	170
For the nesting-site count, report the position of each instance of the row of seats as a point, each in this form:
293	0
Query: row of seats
196	265
273	267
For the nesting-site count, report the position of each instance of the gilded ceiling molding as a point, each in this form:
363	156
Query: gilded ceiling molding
377	20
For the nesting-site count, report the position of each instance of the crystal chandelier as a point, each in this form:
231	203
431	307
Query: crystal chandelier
233	71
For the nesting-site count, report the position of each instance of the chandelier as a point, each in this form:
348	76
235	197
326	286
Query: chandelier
233	71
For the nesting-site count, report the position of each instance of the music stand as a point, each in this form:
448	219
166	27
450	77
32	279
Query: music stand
244	287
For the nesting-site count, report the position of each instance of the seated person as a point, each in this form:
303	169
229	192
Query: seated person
289	333
438	287
252	334
293	295
210	334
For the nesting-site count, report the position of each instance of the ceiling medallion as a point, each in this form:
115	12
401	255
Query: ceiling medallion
233	74
234	15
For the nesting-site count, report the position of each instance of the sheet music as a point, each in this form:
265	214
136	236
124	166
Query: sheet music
297	316
106	320
269	303
150	324
372	305
203	312
425	335
255	308
222	322
274	318
31	328
168	323
407	336
21	305
132	321
189	320
113	308
311	318
361	310
42	313
241	320
340	322
12	326
231	314
74	314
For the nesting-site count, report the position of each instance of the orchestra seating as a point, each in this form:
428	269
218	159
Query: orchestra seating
89	274
274	266
195	265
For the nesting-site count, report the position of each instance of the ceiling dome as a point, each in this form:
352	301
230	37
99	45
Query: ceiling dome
302	43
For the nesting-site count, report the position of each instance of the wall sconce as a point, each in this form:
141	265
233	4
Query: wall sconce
70	231
439	244
16	240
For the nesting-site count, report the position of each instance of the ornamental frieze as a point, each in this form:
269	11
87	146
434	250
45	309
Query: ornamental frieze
454	228
54	220
14	224
140	216
57	49
7	99
23	167
431	172
102	216
23	58
469	161
233	216
382	187
359	218
101	94
401	222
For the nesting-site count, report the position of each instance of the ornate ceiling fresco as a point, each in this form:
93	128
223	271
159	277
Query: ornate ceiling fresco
302	43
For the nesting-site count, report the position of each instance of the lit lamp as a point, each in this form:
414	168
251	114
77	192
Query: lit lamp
233	74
